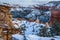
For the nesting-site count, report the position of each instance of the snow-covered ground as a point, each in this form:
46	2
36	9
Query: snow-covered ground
31	27
33	37
31	30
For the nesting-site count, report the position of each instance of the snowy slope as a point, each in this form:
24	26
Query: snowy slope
31	27
31	31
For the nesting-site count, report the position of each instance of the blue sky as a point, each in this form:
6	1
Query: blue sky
25	2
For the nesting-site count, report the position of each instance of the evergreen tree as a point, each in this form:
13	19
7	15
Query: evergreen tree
44	32
55	30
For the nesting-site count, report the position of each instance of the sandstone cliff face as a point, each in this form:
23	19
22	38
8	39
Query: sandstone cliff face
5	22
5	16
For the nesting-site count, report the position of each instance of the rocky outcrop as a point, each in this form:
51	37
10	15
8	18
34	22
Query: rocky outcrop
5	22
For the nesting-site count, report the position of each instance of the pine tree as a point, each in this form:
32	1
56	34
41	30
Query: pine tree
44	32
55	30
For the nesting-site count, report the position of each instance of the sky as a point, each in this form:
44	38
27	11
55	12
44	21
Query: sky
26	2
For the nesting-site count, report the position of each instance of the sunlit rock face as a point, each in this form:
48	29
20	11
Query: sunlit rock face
5	20
2	15
4	12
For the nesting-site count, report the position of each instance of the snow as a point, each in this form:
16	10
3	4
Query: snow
46	17
31	27
29	37
17	37
58	6
29	33
33	37
48	13
36	12
12	9
33	14
49	4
